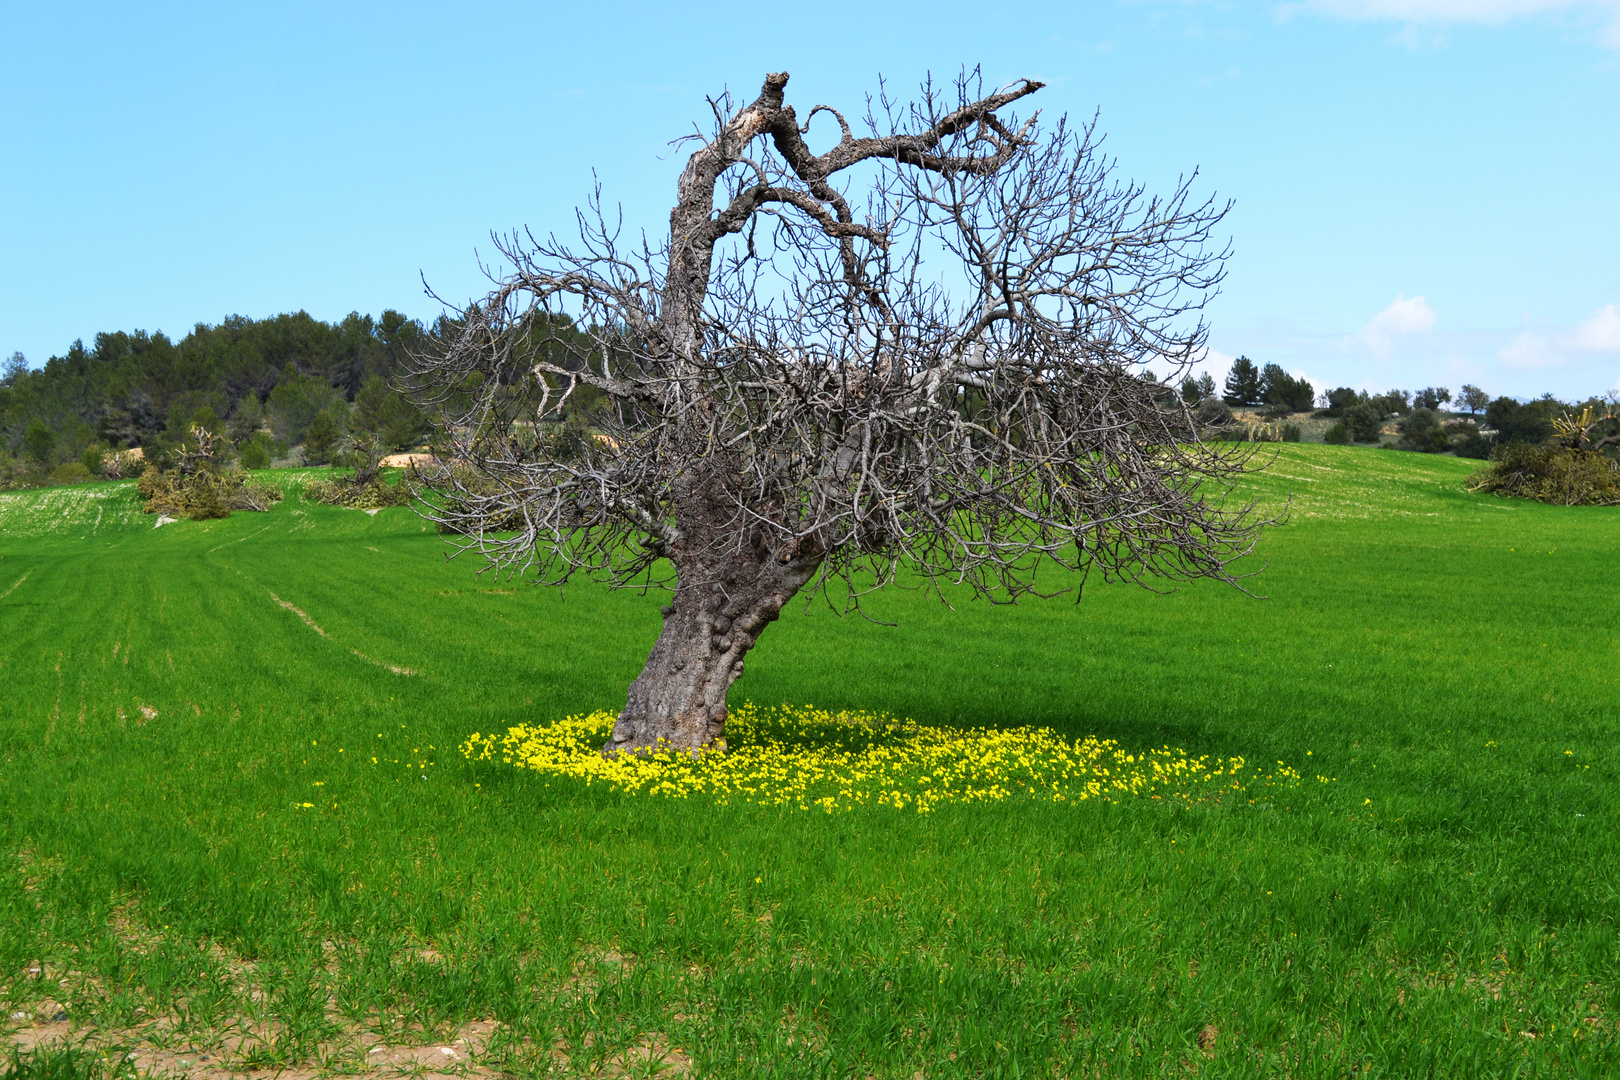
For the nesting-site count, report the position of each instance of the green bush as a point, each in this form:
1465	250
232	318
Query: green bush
392	417
295	402
1424	431
324	433
1291	433
254	454
94	462
1475	445
72	472
1213	412
1337	435
1365	421
38	441
1530	423
1340	400
1550	474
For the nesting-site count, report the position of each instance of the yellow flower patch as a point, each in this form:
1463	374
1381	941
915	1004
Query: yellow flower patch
817	759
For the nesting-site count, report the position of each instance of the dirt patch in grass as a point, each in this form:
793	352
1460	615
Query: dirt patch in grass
147	1051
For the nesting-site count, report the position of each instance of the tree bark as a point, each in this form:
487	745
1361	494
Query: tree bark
722	605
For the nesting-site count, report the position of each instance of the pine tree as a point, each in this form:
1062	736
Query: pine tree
1242	383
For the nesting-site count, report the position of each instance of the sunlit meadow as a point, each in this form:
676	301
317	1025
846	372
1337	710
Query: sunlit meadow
239	828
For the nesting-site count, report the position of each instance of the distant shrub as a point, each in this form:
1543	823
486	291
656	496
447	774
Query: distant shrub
1365	421
94	461
73	472
1337	435
1291	433
1475	445
324	433
1391	402
38	441
1213	412
197	487
254	454
1531	423
1551	474
356	484
1424	431
1340	400
19	472
202	494
373	495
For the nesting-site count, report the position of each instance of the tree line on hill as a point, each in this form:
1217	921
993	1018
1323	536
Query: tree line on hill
292	389
1422	420
289	388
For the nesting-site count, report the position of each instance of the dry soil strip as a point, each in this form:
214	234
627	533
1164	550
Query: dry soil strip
298	611
13	588
309	622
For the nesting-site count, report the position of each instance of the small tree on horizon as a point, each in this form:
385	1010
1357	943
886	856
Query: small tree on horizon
1196	390
791	400
1277	387
1431	397
1242	383
1473	399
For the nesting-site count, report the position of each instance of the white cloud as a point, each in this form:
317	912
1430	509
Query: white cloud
1482	12
1530	351
1321	386
1597	333
1401	318
1601	332
1448	11
1216	363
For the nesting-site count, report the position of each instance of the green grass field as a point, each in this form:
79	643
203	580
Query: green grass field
218	838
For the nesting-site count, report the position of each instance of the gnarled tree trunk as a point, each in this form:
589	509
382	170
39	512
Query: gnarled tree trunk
731	586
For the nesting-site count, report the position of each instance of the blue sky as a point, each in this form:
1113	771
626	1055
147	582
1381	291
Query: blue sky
1427	191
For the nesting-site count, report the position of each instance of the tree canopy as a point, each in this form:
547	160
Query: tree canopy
789	399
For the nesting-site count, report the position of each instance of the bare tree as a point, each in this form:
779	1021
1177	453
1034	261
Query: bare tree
805	391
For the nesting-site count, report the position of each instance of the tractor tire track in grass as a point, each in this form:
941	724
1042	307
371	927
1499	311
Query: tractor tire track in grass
14	585
309	622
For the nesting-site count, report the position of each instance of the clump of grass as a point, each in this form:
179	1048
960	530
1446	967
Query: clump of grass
64	1061
812	758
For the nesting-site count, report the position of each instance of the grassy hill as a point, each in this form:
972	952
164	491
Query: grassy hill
233	823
